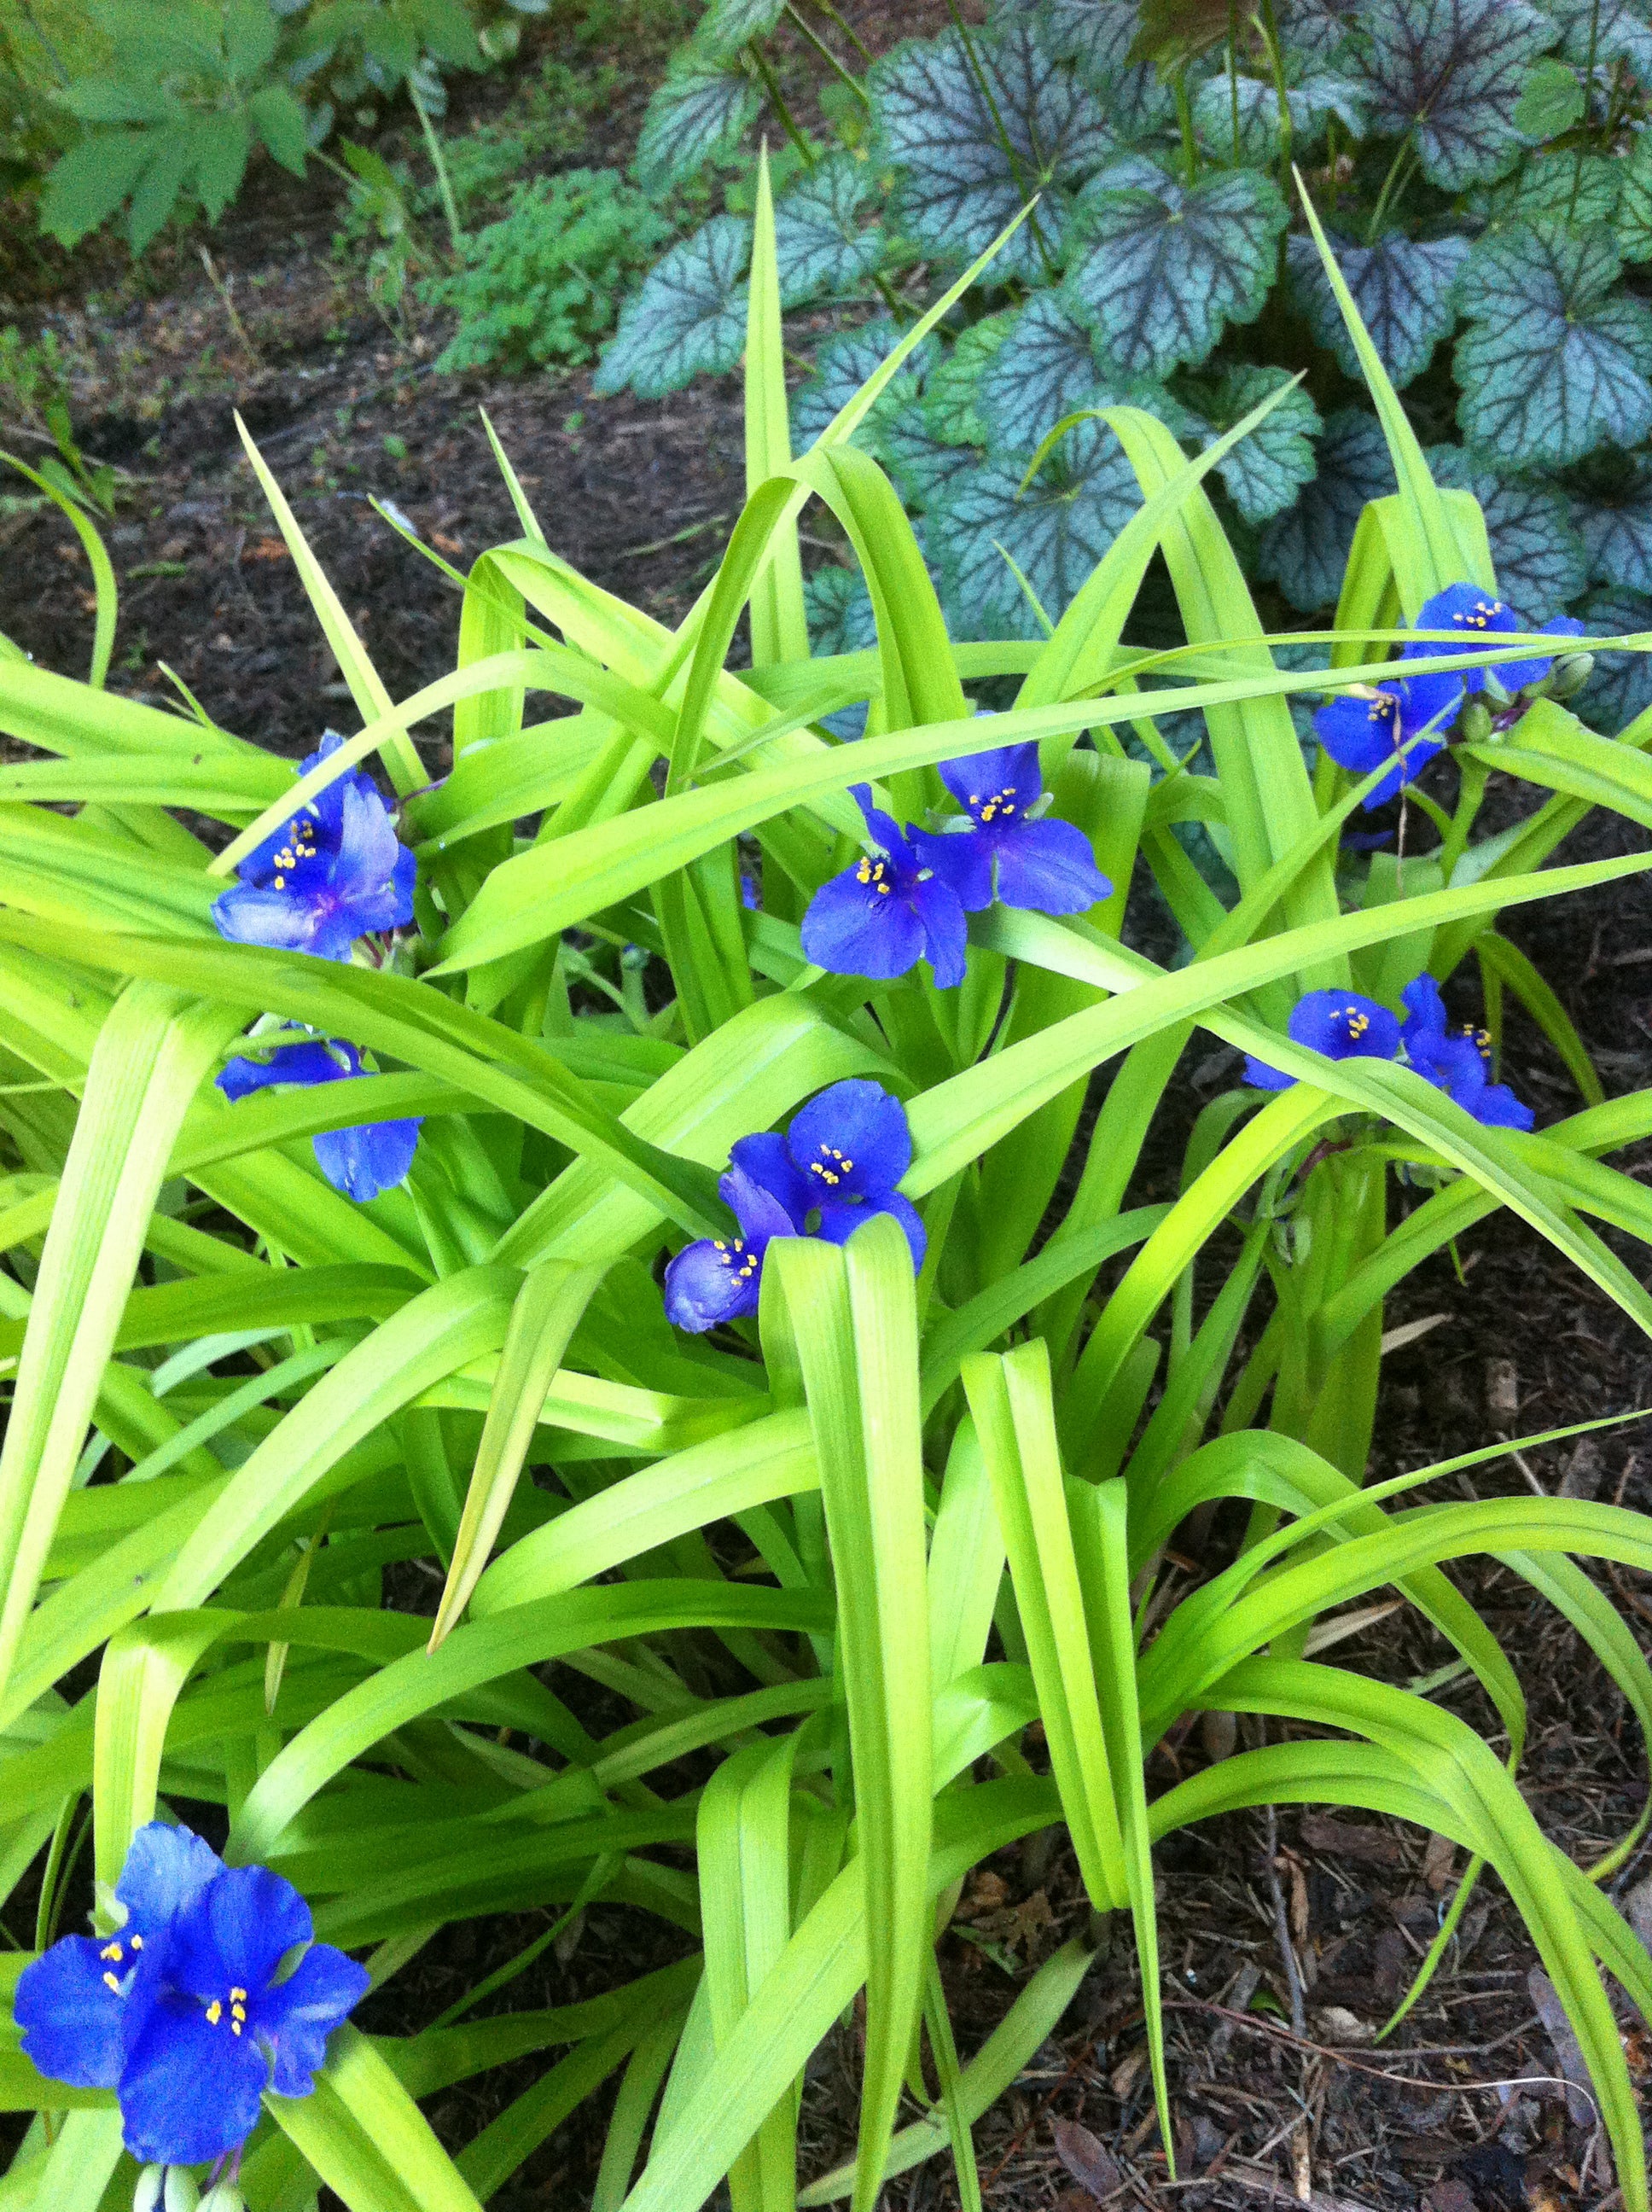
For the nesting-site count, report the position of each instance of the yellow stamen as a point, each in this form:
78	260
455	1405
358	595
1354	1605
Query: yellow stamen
111	1951
215	2012
110	1982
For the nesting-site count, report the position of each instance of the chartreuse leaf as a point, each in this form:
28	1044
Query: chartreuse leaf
103	574
1554	362
779	630
702	109
688	319
822	246
547	1311
1454	76
1166	267
366	2138
977	131
151	1054
850	1316
1404	288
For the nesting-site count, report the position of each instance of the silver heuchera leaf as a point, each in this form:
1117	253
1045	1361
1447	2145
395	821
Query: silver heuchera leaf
728	25
841	367
1048	366
839	608
1096	36
1451	71
922	464
1404	288
968	163
1620	687
1169	266
1575	189
701	109
1310	105
1553	363
1634	214
688	317
1539	556
820	245
1265	470
1054	533
1316	30
1607	29
1305	551
1615	522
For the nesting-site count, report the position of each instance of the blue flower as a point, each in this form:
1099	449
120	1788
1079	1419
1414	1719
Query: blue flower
1342	1025
887	912
1005	850
1481	616
181	2010
335	871
361	1162
1457	1060
837	1164
1365	727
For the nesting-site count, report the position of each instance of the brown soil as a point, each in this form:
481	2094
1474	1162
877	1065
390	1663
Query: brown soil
639	497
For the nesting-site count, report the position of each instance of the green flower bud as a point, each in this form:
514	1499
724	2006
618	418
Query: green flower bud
1476	724
181	2192
1569	674
147	2195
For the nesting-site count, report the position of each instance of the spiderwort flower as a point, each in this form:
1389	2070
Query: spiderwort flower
838	1163
360	1162
1481	616
888	911
1457	1060
1342	1025
1369	724
182	2011
335	871
1004	849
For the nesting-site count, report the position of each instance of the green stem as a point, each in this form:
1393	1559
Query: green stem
828	56
1390	185
1471	790
444	182
777	101
1233	72
1588	92
848	29
1270	30
1185	118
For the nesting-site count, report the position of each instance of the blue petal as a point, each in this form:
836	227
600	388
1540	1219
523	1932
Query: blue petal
840	1219
1345	1025
883	828
765	1159
964	861
856	1130
1428	703
370	1159
1480	616
1049	867
1012	769
851	928
190	2091
75	2026
759	1213
166	1868
295	2017
1496	1106
237	1932
708	1283
307	1063
1358	732
1426	1013
1515	675
946	933
1261	1077
249	916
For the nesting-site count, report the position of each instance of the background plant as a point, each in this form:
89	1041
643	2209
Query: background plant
1483	171
870	1547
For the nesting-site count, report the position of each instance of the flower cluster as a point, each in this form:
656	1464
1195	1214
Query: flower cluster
1369	725
336	872
837	1164
361	1162
906	897
1345	1025
184	2010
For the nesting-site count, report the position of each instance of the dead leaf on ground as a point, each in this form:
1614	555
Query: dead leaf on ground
1350	1839
1086	2158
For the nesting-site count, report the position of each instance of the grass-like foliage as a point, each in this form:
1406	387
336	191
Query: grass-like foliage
876	1537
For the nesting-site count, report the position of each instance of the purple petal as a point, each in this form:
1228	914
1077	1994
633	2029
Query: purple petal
1515	675
840	1219
852	928
883	828
295	2017
75	2026
766	1160
309	1062
1261	1077
1359	732
1426	1013
190	2091
963	860
249	916
759	1213
858	1133
1049	867
1496	1107
372	1157
946	933
709	1282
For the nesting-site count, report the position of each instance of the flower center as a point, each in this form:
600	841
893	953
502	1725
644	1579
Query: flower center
998	802
1384	708
300	845
117	1952
1481	615
874	874
736	1255
1354	1023
831	1167
215	2011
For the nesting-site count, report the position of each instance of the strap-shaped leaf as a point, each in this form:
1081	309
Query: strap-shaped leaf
978	130
1404	288
1451	71
1554	362
779	628
688	319
1167	267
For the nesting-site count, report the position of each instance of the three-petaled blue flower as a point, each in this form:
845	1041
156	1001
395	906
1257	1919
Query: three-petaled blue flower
1342	1025
1007	851
888	911
1457	1060
335	872
837	1164
361	1162
183	2010
1365	727
1481	616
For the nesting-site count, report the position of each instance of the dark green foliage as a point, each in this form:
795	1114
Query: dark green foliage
1484	169
541	284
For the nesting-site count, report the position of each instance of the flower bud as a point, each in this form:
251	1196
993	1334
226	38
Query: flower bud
1475	727
224	2196
147	2195
181	2192
1569	674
